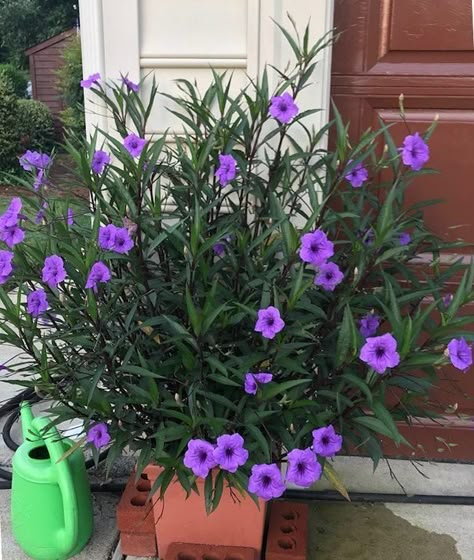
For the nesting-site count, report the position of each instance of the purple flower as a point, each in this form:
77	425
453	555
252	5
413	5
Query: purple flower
303	467
357	176
10	216
40	180
227	169
460	354
99	160
53	271
230	453
199	457
70	217
415	151
253	379
369	324
316	248
269	322
283	108
326	442
122	242
98	435
266	482
447	299
34	160
380	352
219	249
404	238
6	267
368	237
39	217
98	274
134	145
12	235
107	237
37	302
329	276
93	79
131	86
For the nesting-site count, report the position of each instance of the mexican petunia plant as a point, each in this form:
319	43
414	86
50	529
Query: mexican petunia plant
233	296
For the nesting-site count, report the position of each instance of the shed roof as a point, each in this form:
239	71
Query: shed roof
50	41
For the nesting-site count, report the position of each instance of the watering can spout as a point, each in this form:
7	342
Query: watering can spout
26	415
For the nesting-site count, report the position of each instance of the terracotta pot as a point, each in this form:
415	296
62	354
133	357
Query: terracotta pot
181	520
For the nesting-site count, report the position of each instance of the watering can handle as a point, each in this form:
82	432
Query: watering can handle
56	449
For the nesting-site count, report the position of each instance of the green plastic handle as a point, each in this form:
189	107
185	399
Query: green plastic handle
67	538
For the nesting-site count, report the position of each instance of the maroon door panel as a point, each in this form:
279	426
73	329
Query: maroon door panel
425	50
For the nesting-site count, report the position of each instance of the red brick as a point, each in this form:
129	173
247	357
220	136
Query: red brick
138	544
135	519
287	531
188	551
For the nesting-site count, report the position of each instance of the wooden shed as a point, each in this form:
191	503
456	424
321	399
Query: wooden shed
45	59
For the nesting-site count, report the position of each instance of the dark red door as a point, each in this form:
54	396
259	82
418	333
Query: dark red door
425	50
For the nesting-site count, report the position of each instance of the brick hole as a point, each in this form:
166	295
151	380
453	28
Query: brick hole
144	476
287	544
138	500
143	486
290	515
210	557
287	529
185	556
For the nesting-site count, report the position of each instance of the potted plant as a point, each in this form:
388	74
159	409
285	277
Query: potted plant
231	297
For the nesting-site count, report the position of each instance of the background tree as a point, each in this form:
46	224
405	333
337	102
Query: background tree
24	23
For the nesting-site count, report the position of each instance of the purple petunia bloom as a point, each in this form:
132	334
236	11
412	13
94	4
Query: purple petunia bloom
303	467
99	160
253	379
134	144
404	238
98	274
6	267
40	180
92	80
326	441
131	86
368	238
316	248
219	249
380	352
283	108
266	482
269	322
12	235
98	435
122	242
230	453
107	237
357	176
227	169
415	151
53	271
11	215
447	299
329	276
199	457
34	160
36	302
369	324
70	217
460	354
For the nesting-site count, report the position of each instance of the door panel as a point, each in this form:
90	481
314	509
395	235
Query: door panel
425	50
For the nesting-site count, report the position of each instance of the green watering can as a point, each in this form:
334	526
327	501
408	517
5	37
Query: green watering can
51	502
